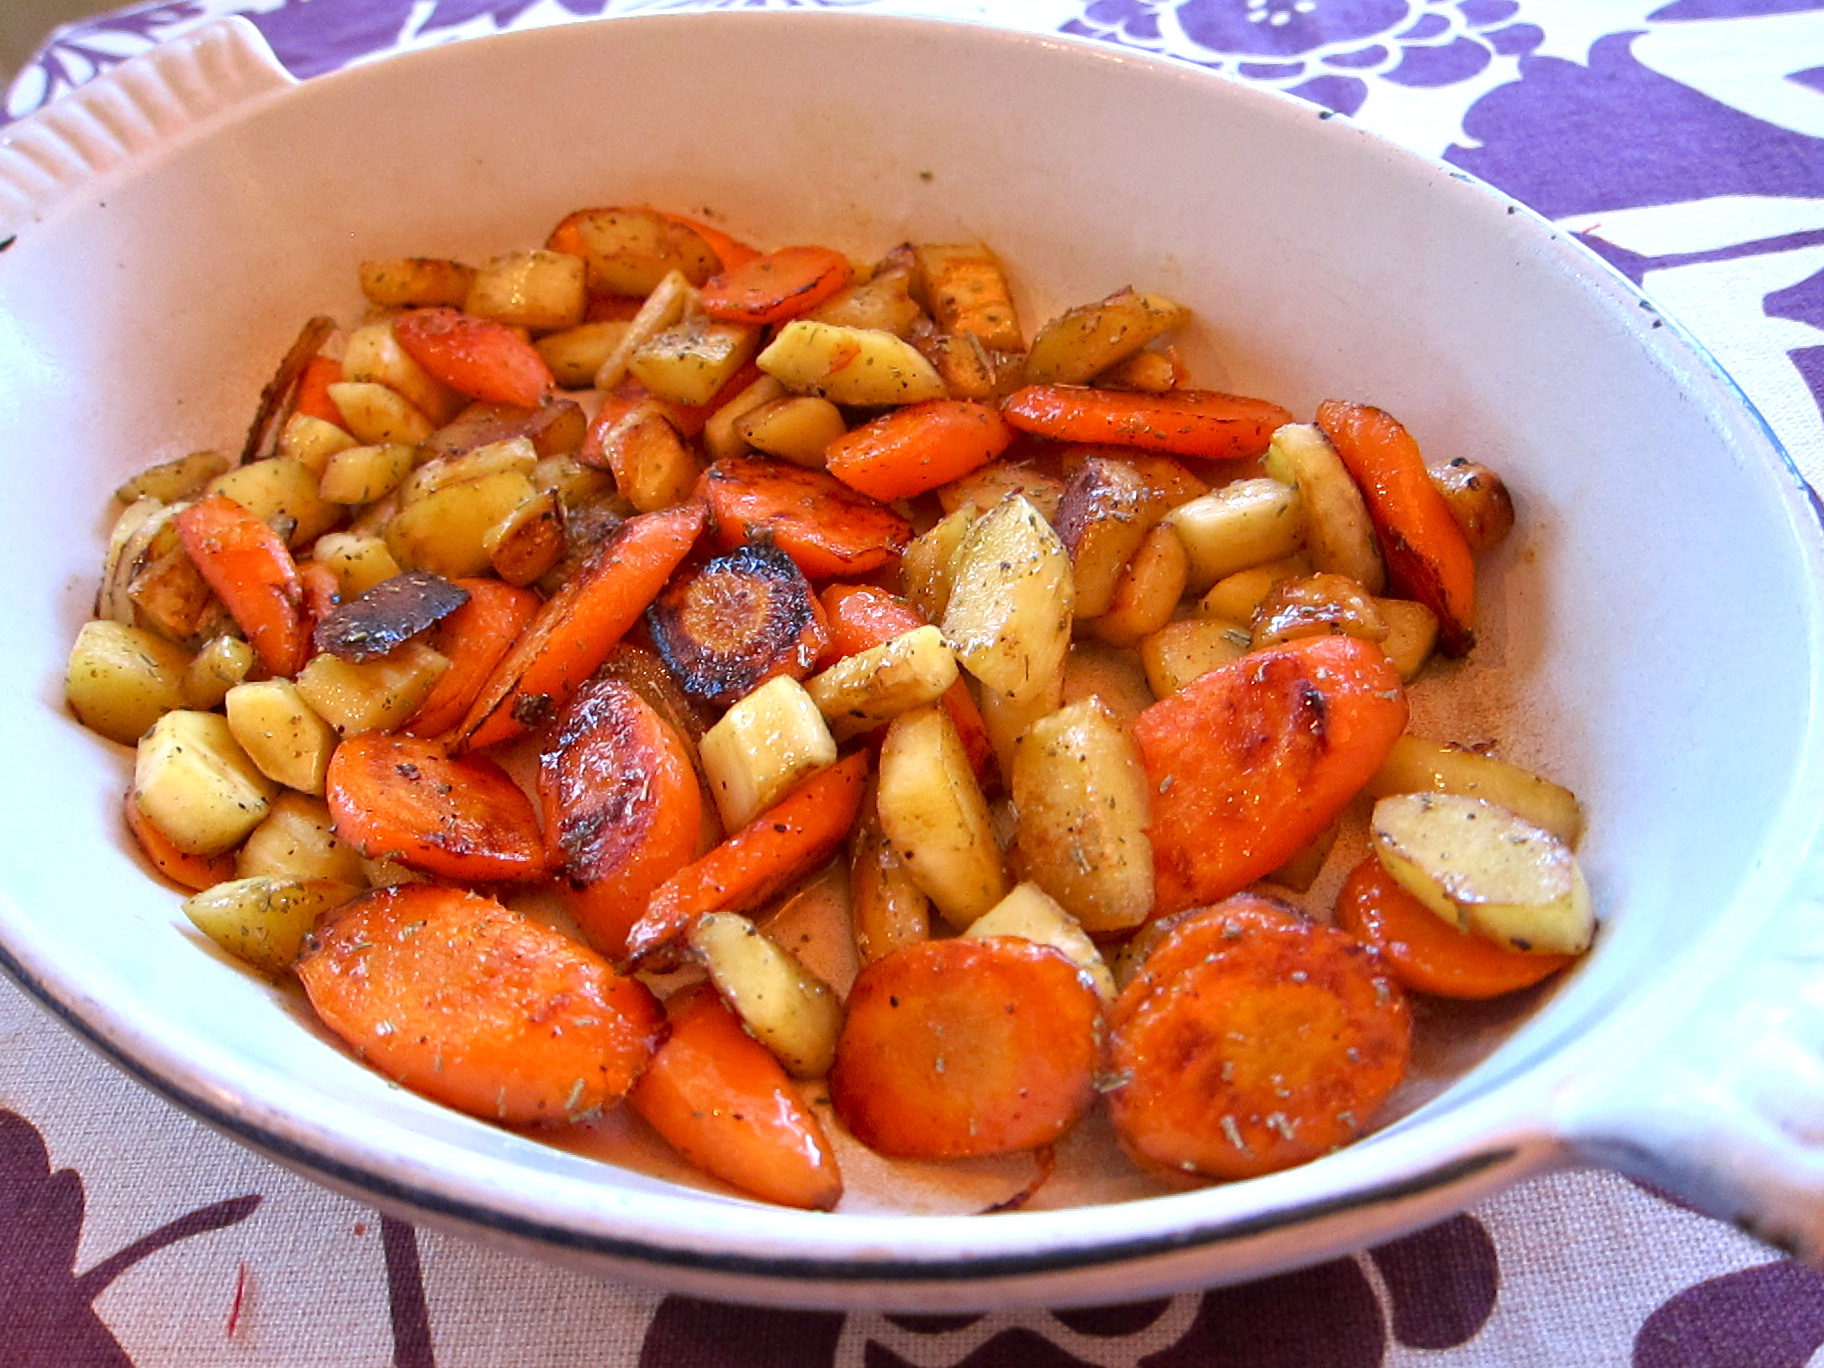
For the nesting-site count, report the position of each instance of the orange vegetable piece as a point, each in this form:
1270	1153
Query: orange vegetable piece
1249	762
1428	557
729	624
181	867
1186	422
725	1104
622	807
731	252
474	639
918	447
776	285
967	1047
322	591
251	571
1426	953
1253	1040
475	356
477	1007
312	396
784	843
580	624
817	520
403	798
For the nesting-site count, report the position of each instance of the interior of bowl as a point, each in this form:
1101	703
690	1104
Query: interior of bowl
1649	636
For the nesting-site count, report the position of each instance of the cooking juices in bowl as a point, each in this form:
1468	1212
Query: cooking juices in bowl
943	729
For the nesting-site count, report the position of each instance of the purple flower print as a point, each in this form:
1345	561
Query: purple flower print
1770	1316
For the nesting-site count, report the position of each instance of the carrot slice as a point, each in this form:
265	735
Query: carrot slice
312	397
817	520
183	868
967	1047
322	592
1253	1040
1428	557
474	639
580	624
1252	760
1426	953
918	447
622	807
787	841
731	252
1183	422
776	286
251	571
402	798
728	1106
730	624
475	356
477	1007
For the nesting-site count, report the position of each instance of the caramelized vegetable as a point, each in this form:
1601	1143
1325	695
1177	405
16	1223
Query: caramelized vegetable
776	286
252	572
827	527
474	638
388	615
1183	422
476	356
730	624
917	448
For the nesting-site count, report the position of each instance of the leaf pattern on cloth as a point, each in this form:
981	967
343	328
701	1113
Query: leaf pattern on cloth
1769	1316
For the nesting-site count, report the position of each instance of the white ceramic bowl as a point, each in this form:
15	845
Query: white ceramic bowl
1652	635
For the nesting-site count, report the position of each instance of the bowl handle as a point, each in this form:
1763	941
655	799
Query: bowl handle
144	103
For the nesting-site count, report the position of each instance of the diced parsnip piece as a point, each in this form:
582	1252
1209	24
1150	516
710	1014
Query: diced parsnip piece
936	818
797	428
1478	500
1181	651
361	474
281	733
1485	870
723	435
120	679
1006	719
970	370
632	251
576	354
529	540
690	361
1081	796
1301	871
982	489
262	921
1111	675
359	562
540	290
1082	342
1241	524
1415	765
862	366
1148	591
787	1008
669	301
175	479
298	841
654	467
378	415
1339	535
1235	597
883	300
415	282
194	783
925	566
1150	372
763	745
282	493
1317	605
171	597
571	481
375	356
1031	913
861	691
1011	601
310	441
220	664
514	454
1104	515
1412	635
375	695
555	428
887	907
964	287
446	531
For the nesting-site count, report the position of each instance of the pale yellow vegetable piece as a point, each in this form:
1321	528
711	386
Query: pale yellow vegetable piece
1416	765
1012	600
690	361
862	366
262	921
141	533
669	300
724	436
761	746
298	841
1086	340
194	783
374	356
1112	675
1301	871
576	354
933	812
359	562
1032	914
311	441
514	455
1148	591
175	479
529	541
965	288
377	415
281	733
446	531
797	428
1339	535
1006	719
1181	651
120	679
883	300
223	662
540	290
887	907
361	474
283	493
861	691
654	466
634	251
1235	597
1317	605
925	568
1104	516
787	1008
375	695
1244	523
415	282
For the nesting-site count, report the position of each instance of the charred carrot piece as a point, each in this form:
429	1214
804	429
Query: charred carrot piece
731	252
195	872
787	841
475	1006
917	448
474	639
312	398
1428	557
726	1105
776	286
727	626
458	817
580	624
1183	422
251	571
322	591
817	520
475	356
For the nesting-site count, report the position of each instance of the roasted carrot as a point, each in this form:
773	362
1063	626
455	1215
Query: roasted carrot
967	1047
1428	557
312	397
1252	1040
817	520
190	871
787	841
918	447
1182	422
629	250
1252	760
477	1007
580	624
251	571
474	639
731	252
322	591
475	356
1426	953
622	807
403	798
730	624
728	1106
775	286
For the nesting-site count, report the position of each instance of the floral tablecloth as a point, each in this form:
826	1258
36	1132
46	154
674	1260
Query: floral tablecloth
1684	141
